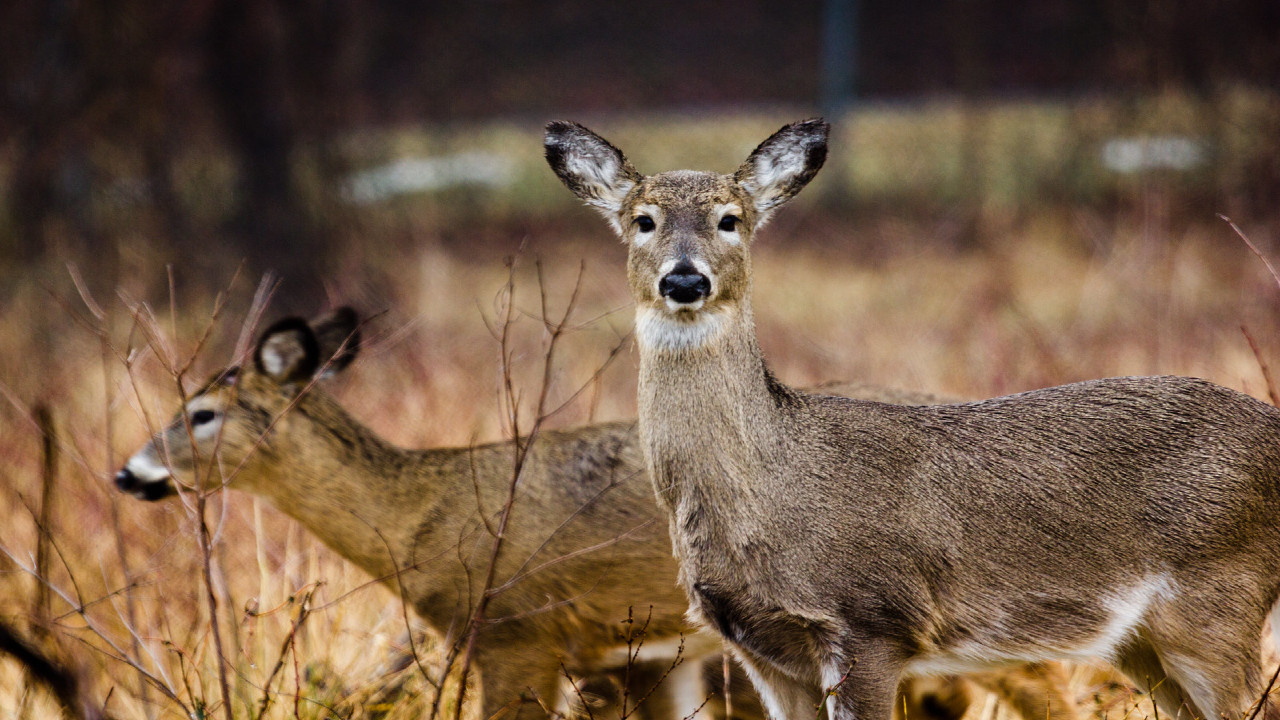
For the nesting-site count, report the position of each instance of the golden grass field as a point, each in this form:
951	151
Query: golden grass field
1046	297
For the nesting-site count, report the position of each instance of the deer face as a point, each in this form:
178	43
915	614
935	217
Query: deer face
688	233
226	429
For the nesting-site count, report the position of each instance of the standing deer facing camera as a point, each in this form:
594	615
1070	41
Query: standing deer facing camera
838	544
581	548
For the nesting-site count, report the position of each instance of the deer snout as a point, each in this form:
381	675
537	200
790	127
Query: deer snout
684	284
145	482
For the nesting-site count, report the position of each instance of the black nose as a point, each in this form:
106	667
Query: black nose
684	284
126	481
151	491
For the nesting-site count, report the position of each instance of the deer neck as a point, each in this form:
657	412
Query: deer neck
709	413
344	483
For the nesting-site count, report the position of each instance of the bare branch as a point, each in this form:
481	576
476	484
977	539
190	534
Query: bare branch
1263	366
1270	268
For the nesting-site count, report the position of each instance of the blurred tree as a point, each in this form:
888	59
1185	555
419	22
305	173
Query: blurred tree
99	95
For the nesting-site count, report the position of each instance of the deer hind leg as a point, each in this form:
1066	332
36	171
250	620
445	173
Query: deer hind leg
1211	650
1036	691
1138	660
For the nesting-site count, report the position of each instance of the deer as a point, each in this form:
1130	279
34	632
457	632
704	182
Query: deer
839	545
584	547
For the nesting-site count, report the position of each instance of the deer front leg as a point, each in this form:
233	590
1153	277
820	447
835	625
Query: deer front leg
784	697
517	679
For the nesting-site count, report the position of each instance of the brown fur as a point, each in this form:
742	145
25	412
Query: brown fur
838	543
583	491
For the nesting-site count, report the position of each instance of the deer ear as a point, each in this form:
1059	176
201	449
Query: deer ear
591	167
338	338
287	352
782	165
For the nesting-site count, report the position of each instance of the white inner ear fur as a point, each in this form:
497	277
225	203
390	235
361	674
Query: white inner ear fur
772	169
600	172
280	353
733	237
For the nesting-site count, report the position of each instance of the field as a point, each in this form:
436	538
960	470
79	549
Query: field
1119	277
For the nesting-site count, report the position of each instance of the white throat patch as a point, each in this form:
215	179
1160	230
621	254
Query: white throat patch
670	332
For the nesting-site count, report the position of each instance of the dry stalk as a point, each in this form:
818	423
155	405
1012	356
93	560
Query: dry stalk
726	669
586	706
1272	394
521	445
304	611
1253	345
108	351
48	480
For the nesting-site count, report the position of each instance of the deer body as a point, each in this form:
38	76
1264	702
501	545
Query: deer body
839	545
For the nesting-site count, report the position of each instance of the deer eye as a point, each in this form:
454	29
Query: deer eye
200	417
729	223
645	223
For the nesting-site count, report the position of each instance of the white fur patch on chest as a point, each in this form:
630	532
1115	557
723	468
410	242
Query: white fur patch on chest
664	331
1127	609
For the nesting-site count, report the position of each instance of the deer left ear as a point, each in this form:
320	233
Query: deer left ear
591	167
782	165
288	351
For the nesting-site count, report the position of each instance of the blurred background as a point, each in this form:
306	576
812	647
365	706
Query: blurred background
1017	195
206	131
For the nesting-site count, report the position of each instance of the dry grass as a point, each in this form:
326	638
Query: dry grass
1045	300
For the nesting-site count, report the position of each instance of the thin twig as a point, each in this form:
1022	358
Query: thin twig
520	449
404	608
1262	701
577	691
1262	365
303	613
1270	268
48	479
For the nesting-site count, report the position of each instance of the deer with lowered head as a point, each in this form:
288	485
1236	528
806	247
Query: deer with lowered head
839	545
585	543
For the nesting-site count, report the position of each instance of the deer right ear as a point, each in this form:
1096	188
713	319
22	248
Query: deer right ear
338	337
288	352
783	164
591	167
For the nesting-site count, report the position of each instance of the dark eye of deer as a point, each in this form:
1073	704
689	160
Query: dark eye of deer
645	223
729	223
201	417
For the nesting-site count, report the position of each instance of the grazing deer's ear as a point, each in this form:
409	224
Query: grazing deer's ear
338	338
288	352
782	165
591	167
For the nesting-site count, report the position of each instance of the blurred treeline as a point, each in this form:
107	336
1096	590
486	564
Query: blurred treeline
229	123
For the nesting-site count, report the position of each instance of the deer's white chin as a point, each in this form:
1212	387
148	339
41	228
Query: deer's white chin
688	329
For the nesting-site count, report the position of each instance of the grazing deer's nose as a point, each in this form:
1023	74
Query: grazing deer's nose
150	490
684	284
126	481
